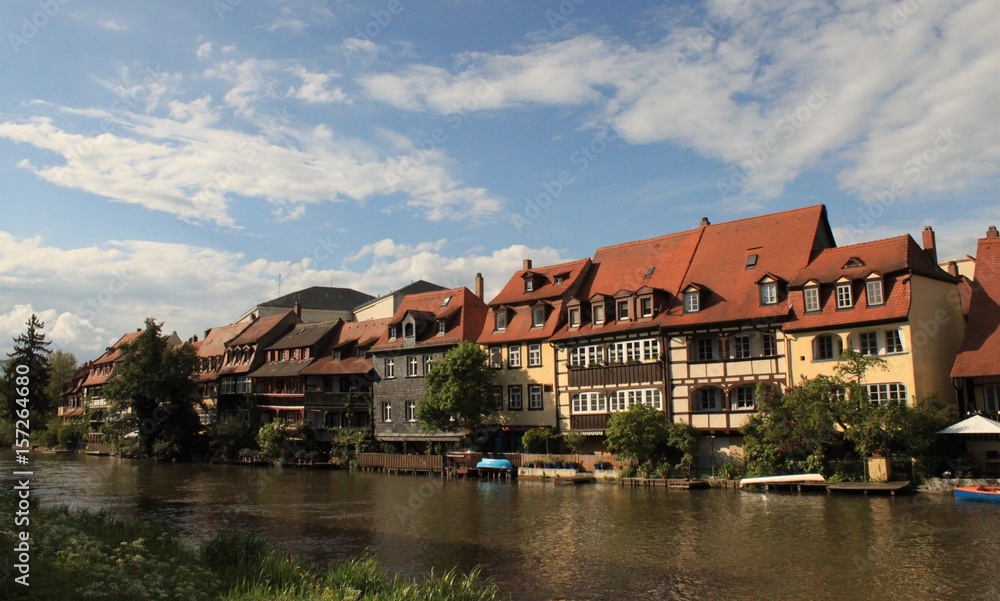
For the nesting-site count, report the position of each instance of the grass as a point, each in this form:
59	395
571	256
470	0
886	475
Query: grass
79	554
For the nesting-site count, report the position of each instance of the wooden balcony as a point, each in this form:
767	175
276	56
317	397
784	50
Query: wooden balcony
614	375
321	400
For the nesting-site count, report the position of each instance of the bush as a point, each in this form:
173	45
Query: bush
536	440
71	434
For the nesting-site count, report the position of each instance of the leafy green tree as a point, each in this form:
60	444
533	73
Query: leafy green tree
230	435
458	391
536	440
153	396
62	367
923	421
271	438
31	349
574	440
640	434
683	438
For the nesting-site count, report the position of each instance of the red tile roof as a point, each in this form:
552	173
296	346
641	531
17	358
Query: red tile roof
305	335
258	329
980	354
353	333
361	333
467	325
519	324
114	352
214	343
545	283
326	366
884	256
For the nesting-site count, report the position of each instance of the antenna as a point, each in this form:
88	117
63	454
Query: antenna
279	284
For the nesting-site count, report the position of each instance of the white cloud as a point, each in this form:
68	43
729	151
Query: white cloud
88	297
204	50
854	87
314	87
296	25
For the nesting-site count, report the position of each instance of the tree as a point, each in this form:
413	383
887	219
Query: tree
574	441
536	440
640	434
62	368
272	438
31	349
154	396
458	391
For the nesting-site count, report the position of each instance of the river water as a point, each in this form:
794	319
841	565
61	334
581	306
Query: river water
542	541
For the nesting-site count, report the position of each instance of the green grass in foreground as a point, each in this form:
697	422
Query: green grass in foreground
96	556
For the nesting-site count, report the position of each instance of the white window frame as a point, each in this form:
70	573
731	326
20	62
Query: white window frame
410	411
769	344
769	293
496	357
386	412
589	402
513	355
428	360
515	402
623	400
833	348
811	297
598	311
646	306
700	346
586	356
536	400
875	290
535	355
845	296
881	393
744	398
500	321
692	302
647	349
574	317
537	316
389	367
894	342
622	309
412	366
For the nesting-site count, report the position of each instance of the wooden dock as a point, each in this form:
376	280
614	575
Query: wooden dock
670	484
866	488
578	479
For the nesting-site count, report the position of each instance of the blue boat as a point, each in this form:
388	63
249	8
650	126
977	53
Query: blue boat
989	494
495	464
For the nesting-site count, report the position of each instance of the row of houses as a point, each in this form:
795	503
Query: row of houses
689	323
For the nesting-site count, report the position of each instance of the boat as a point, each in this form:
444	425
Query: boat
787	479
989	494
495	464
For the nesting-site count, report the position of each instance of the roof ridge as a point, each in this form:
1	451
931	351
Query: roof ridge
867	243
554	265
646	240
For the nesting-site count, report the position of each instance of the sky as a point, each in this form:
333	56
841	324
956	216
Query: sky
186	160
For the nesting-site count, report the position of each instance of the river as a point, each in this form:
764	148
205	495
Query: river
542	541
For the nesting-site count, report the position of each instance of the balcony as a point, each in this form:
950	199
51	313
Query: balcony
341	400
614	375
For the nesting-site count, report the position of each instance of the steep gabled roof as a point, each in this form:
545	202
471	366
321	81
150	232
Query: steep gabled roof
891	255
259	328
519	324
114	352
305	335
980	354
545	284
321	298
214	343
464	314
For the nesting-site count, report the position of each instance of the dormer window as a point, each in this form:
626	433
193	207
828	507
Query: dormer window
622	307
408	330
811	296
529	284
500	317
874	291
360	352
538	316
768	293
692	301
597	311
560	278
574	317
335	355
845	299
646	306
442	328
392	332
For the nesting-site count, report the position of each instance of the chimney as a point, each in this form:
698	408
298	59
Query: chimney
705	221
194	338
953	269
206	334
930	245
297	308
526	266
992	232
479	286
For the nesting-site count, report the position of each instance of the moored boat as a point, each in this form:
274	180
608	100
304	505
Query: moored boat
786	479
495	464
989	494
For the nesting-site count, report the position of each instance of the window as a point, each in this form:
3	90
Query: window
812	299
894	341
226	386
743	398
390	368
412	366
392	332
883	393
408	330
623	400
244	385
514	398
537	316
501	321
825	348
769	293
844	299
574	317
623	310
534	355
559	279
741	347
496	357
442	328
599	313
361	352
387	412
589	402
529	284
444	303
498	397
410	408
751	261
646	306
634	351
586	356
770	344
707	349
708	399
875	296
869	343
534	397
514	355
991	398
692	302
428	360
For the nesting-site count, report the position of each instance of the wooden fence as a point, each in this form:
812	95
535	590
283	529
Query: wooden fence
437	463
401	463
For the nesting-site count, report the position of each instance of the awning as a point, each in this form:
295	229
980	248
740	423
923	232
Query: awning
977	424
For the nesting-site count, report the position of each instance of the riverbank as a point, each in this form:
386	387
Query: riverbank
80	554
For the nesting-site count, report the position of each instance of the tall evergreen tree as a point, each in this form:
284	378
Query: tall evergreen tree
30	349
153	394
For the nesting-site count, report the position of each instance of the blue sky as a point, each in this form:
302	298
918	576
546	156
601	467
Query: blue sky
174	159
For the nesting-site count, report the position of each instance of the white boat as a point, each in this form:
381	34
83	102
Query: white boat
789	479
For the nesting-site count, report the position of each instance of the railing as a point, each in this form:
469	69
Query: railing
611	375
338	399
401	463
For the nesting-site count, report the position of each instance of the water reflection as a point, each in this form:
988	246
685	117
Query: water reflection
542	541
